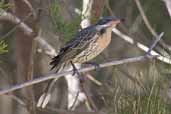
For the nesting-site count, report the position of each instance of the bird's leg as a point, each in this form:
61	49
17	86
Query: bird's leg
75	70
96	65
82	86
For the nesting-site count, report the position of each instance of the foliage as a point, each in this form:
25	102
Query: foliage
3	47
67	29
5	6
150	103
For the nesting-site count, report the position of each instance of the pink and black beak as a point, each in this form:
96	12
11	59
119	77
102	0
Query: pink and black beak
115	21
110	20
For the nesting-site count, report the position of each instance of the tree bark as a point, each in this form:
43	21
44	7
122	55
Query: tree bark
25	51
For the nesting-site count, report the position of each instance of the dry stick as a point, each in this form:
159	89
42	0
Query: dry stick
5	16
147	23
90	77
145	18
85	14
89	98
76	98
155	42
146	54
17	99
168	6
45	47
86	69
83	88
141	46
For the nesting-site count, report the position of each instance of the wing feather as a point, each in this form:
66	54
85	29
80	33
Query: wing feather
74	47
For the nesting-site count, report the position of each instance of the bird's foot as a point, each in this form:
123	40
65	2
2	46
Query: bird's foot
75	71
96	65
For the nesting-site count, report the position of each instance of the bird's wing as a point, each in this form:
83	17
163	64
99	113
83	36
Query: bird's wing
75	46
66	54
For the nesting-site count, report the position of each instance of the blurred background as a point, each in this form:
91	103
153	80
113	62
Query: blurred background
133	88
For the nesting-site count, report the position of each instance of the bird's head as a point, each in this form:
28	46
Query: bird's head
108	22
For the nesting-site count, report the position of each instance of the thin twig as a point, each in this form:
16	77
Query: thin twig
145	18
74	103
89	98
155	42
86	69
108	7
17	99
168	6
45	47
141	46
147	23
90	77
6	16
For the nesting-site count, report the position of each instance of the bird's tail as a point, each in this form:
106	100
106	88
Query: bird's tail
45	97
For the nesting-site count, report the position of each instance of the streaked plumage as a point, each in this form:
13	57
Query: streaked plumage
87	44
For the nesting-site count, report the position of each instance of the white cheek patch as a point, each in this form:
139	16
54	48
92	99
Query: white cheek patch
99	27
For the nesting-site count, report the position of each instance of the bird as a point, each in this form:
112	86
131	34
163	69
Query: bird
86	45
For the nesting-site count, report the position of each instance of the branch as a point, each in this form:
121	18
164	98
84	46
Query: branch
17	99
147	23
168	6
6	16
45	47
145	18
86	69
141	46
155	42
86	13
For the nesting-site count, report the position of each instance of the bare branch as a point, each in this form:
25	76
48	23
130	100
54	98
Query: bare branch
155	42
147	23
90	77
45	47
86	69
168	6
17	99
75	101
145	18
6	16
73	82
141	46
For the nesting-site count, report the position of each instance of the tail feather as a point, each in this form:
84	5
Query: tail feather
55	61
45	97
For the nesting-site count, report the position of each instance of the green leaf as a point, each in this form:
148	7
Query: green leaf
3	47
66	29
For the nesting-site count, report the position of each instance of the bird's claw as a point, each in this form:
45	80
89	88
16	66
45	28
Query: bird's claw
75	70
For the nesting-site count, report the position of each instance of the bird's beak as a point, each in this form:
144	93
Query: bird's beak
117	21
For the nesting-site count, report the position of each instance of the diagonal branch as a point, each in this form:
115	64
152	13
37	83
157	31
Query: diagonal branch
141	46
150	28
44	46
86	69
145	18
155	42
6	16
168	6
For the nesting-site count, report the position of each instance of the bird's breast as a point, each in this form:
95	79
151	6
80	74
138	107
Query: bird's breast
104	40
94	48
